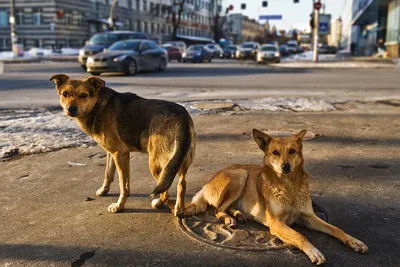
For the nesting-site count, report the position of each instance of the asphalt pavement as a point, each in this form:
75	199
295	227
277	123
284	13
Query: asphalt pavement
50	215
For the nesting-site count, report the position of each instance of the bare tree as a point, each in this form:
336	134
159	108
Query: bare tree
218	21
175	13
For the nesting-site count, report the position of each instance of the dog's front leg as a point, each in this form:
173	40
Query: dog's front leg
108	176
291	237
313	222
121	160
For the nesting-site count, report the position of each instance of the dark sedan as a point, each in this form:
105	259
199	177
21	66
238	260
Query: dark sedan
129	57
174	53
230	51
197	53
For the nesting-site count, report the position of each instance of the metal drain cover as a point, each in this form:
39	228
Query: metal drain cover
206	228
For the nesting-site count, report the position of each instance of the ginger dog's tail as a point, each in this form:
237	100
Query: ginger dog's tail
198	205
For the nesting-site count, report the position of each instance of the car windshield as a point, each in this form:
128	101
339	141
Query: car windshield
211	46
268	48
125	45
248	46
291	45
195	48
231	47
103	39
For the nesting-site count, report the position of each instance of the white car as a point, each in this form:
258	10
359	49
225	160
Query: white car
268	53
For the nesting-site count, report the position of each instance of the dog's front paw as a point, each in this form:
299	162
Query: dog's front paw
102	191
315	255
230	222
157	203
357	245
240	217
115	207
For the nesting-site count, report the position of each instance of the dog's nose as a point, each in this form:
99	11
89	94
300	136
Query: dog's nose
286	167
72	109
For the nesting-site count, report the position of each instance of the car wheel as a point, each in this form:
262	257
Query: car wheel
131	68
184	60
180	60
209	60
162	65
95	73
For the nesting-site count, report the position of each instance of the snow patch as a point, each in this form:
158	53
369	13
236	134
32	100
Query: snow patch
40	52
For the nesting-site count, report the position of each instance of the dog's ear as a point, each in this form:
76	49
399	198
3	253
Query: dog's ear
59	79
262	139
300	135
95	83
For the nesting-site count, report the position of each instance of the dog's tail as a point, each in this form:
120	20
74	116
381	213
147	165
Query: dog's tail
199	204
183	140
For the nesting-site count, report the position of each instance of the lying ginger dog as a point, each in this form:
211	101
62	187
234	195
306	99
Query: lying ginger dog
275	195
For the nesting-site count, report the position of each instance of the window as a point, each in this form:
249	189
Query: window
76	18
138	26
123	3
19	18
3	18
152	27
158	28
145	5
37	17
152	7
145	46
145	27
138	5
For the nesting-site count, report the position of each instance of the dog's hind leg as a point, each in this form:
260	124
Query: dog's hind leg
238	215
108	176
121	160
155	169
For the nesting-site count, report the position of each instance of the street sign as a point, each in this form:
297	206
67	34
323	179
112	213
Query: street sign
270	17
317	5
324	25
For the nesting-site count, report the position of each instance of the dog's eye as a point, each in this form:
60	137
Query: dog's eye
275	152
292	151
83	96
65	94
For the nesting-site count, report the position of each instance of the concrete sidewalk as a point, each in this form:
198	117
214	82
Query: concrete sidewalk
46	220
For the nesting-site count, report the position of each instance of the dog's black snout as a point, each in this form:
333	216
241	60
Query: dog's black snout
286	167
72	109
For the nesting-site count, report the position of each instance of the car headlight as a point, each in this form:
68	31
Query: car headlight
120	58
198	54
277	54
82	52
90	60
184	54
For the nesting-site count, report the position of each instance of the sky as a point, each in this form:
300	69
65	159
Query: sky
293	15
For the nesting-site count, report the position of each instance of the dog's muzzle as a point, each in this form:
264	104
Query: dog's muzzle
72	111
286	168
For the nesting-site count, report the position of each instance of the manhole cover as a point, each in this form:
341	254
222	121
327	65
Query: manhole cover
206	228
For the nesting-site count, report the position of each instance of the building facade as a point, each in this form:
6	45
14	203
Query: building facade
244	29
71	22
335	37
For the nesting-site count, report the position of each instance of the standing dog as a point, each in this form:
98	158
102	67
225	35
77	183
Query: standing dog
275	194
125	122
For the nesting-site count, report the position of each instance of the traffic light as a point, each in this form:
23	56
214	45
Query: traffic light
60	13
243	6
264	3
296	1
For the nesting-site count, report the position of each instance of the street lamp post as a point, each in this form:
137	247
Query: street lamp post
111	15
14	38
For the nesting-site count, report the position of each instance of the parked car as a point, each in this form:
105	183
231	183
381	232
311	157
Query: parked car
197	53
283	50
268	53
129	57
100	41
327	49
292	48
179	44
173	52
230	51
248	50
216	50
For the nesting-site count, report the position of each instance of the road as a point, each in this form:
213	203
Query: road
27	84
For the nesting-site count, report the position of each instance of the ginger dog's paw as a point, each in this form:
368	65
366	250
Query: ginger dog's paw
102	191
240	217
230	222
157	203
315	255
115	207
179	212
357	245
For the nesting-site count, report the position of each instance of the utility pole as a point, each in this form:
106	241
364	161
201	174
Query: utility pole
161	25
111	16
316	30
14	38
